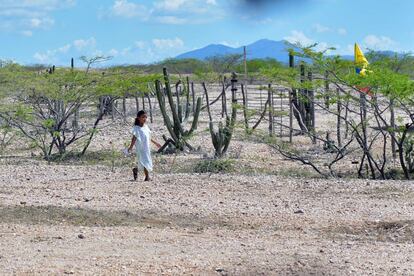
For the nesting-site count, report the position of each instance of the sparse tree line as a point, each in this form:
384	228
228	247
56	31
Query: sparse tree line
374	114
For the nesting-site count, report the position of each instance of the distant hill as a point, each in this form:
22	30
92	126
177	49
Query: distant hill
209	51
260	49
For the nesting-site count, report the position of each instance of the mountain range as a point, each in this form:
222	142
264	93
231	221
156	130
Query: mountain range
260	49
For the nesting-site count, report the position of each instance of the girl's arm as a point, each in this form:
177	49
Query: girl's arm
156	143
134	139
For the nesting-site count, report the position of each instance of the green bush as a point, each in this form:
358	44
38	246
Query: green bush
214	166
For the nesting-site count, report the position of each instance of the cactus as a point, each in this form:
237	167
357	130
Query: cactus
175	124
222	137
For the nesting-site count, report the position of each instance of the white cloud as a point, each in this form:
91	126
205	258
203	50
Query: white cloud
171	5
140	44
164	44
23	16
20	7
41	23
171	12
50	56
140	52
42	58
172	20
113	52
85	46
320	28
342	31
65	49
151	51
124	8
188	5
81	44
230	44
380	43
298	37
126	51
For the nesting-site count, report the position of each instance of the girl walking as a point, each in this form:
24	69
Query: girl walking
141	139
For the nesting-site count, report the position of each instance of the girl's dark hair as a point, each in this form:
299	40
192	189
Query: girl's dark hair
140	113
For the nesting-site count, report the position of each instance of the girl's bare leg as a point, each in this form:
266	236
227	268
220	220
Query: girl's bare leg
147	178
135	173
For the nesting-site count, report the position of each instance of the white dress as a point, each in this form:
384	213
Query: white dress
142	146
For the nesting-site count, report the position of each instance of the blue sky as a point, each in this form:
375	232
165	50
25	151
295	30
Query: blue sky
142	31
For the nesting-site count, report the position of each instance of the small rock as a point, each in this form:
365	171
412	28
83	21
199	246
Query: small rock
142	196
81	236
299	211
23	202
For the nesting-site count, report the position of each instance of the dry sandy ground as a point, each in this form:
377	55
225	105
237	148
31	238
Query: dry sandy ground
85	220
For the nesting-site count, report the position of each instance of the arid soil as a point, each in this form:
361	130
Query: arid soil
62	219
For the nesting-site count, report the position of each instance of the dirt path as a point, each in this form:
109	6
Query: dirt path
86	220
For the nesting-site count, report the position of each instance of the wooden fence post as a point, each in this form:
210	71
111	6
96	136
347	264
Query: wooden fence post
303	96
270	100
246	119
124	108
75	123
223	100
281	113
346	117
143	101
136	101
193	96
112	109
290	116
187	97
294	92
338	123
311	108
393	145
150	107
326	90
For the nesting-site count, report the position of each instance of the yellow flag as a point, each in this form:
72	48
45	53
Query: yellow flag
360	60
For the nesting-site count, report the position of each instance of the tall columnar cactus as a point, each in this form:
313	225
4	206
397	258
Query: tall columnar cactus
222	137
175	121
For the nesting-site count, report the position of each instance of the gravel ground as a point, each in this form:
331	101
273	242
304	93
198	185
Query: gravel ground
62	219
270	216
